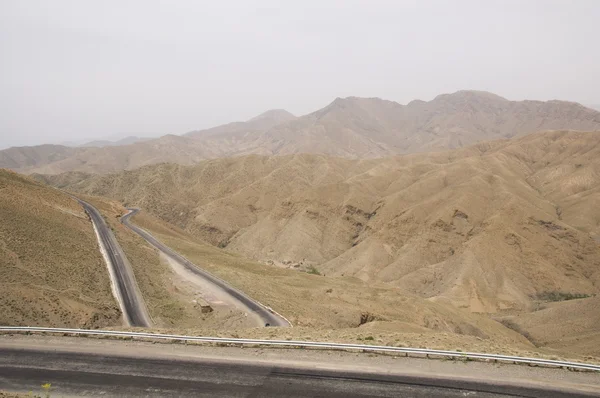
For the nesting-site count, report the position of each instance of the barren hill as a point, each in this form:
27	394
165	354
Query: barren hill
52	274
351	127
491	227
123	141
27	157
262	122
51	270
372	127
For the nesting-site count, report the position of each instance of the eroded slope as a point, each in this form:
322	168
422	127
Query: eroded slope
51	270
489	227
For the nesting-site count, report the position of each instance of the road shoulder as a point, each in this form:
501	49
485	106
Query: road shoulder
319	360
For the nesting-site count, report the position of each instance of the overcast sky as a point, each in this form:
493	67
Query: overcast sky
77	70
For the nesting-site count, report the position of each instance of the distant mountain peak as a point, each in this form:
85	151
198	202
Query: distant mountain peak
470	95
337	104
123	141
274	114
341	102
344	102
262	122
346	127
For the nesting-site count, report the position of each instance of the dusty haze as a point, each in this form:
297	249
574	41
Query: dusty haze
76	71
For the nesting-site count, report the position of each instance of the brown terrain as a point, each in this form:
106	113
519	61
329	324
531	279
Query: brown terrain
51	270
508	229
54	275
351	127
372	127
441	224
170	300
339	309
343	308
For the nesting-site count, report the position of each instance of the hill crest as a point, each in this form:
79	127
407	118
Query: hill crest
350	127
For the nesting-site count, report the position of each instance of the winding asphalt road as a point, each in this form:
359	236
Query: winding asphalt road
124	285
75	371
268	317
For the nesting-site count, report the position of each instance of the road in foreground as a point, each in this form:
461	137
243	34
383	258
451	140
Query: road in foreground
124	285
236	297
108	368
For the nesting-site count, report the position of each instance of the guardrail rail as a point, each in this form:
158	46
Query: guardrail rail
309	344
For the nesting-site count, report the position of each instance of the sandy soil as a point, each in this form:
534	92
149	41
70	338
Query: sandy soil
218	300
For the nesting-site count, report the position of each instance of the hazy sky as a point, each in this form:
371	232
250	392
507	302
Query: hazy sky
77	70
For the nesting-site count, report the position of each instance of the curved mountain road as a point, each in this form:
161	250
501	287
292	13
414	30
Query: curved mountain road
123	281
239	299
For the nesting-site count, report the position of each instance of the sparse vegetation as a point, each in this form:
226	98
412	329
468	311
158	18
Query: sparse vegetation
51	271
46	389
313	270
514	326
549	225
45	392
559	296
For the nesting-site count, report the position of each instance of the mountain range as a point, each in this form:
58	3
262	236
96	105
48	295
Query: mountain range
350	127
491	227
122	141
469	218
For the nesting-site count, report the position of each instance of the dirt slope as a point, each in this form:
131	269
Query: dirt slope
351	127
372	127
262	122
489	228
51	270
27	157
319	305
172	302
566	325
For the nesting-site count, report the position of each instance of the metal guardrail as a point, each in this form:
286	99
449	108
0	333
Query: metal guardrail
309	344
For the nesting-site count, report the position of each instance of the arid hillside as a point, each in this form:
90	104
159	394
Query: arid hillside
494	227
28	157
52	274
51	270
572	325
262	122
103	158
351	127
372	127
337	308
107	159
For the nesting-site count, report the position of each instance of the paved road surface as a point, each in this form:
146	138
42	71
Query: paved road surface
74	373
129	297
242	300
